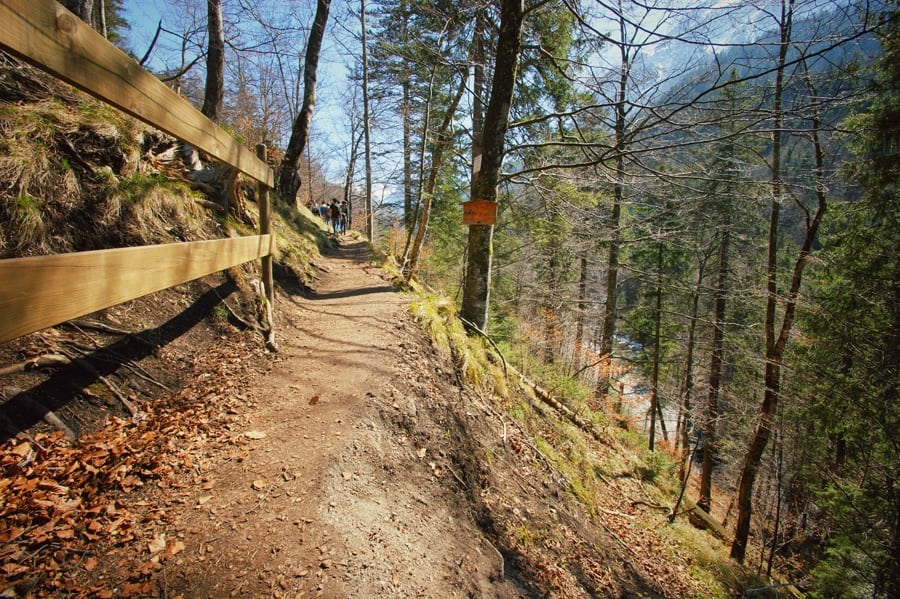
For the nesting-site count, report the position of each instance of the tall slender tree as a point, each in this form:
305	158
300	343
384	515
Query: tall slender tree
774	343
442	140
214	93
366	122
476	290
289	179
777	336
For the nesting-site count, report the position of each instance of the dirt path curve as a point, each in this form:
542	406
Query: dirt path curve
323	493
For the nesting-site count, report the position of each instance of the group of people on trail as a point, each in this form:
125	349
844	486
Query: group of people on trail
336	215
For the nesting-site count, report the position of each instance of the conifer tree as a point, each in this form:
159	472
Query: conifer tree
852	358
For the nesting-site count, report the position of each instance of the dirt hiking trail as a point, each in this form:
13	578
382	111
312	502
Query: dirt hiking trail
321	500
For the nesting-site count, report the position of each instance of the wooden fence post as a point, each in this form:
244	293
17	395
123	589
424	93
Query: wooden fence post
265	227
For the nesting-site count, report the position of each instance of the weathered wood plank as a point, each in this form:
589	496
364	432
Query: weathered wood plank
53	39
41	291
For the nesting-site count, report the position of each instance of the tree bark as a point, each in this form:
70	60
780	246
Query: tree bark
214	93
687	384
772	377
409	218
582	311
367	130
100	18
289	180
654	377
348	178
83	9
476	290
608	328
775	345
711	413
442	142
477	94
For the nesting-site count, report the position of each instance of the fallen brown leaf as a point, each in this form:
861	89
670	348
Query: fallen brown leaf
175	548
158	543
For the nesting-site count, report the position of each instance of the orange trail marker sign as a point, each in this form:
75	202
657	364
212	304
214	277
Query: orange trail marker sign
479	212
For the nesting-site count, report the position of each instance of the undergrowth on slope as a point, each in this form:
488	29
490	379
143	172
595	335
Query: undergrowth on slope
72	179
77	174
600	476
437	315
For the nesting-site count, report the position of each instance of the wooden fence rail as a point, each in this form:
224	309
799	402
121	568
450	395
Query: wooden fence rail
41	291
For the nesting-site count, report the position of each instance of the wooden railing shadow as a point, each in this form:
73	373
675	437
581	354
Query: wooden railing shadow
29	406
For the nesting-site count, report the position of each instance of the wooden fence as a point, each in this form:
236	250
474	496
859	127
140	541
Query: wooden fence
42	291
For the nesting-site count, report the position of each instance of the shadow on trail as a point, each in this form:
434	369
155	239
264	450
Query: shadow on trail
28	407
353	292
358	251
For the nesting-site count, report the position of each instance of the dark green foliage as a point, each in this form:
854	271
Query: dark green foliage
852	359
116	25
852	362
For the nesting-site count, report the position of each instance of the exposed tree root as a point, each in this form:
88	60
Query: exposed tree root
38	408
39	362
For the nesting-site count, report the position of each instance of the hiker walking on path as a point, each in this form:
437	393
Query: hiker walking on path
334	212
345	217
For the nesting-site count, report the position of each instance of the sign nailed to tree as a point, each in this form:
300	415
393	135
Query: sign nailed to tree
479	212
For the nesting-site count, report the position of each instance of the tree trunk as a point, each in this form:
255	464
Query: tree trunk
753	458
477	282
214	93
423	204
348	180
687	383
775	345
477	95
484	186
772	377
711	413
550	308
83	9
408	213
654	378
442	142
779	484
101	18
582	311
608	329
289	179
367	130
